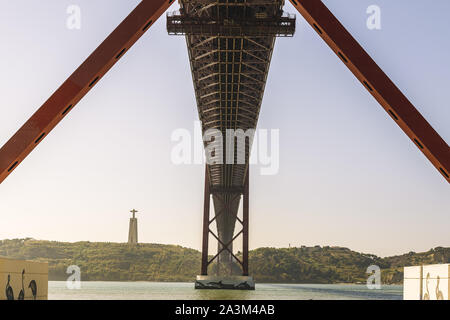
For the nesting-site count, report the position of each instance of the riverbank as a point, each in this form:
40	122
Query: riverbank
100	261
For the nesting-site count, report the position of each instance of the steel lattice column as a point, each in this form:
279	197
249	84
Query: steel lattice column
245	225
206	206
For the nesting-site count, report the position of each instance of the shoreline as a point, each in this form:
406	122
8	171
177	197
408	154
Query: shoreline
266	283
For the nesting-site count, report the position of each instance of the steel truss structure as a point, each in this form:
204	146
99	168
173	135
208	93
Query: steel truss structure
230	44
228	246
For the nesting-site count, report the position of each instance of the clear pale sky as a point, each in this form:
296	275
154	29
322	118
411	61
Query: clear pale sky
348	175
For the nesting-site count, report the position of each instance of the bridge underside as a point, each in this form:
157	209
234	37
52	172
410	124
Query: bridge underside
230	44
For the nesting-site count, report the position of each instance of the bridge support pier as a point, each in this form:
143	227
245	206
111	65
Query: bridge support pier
206	224
245	227
204	281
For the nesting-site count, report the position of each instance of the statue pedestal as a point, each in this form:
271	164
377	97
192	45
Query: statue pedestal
28	277
225	282
429	282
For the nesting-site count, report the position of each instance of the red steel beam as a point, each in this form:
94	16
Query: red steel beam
206	223
377	82
245	225
79	83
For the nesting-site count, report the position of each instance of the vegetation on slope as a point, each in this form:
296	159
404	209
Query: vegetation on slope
157	262
108	261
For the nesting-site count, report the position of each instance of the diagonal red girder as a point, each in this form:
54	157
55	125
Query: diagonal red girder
377	82
79	83
148	11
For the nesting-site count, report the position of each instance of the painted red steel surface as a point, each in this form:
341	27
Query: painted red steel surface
206	223
148	11
79	83
377	82
245	220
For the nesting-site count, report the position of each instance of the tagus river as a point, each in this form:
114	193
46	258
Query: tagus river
185	291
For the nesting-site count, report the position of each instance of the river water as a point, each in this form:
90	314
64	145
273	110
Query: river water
97	290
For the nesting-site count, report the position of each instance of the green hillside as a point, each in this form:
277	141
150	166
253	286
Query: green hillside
157	262
108	261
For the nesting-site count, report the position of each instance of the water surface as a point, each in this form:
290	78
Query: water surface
98	290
